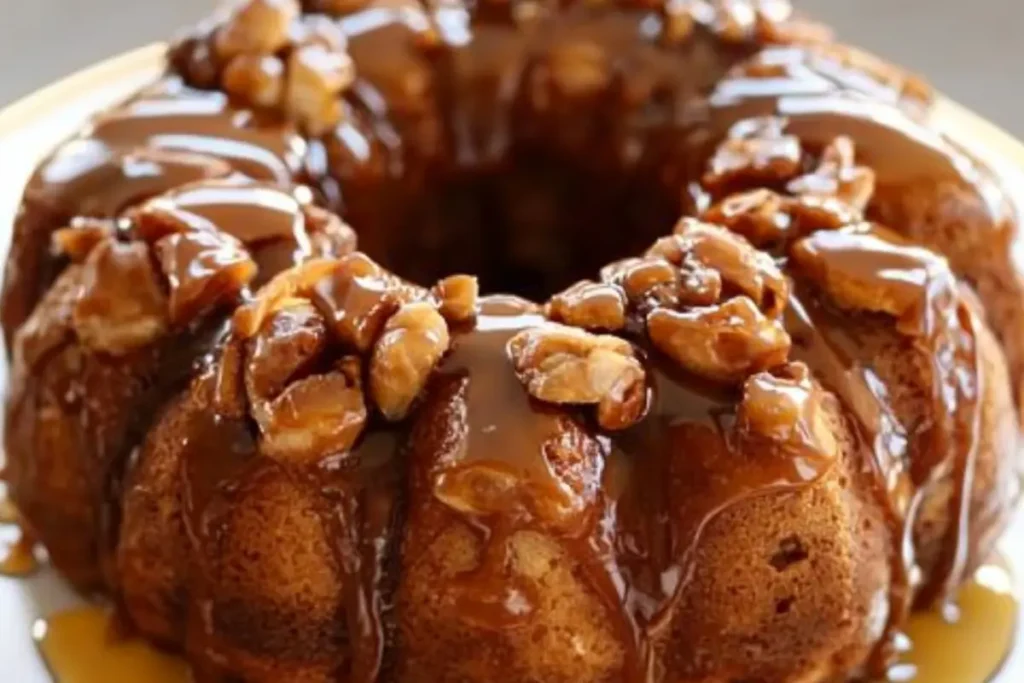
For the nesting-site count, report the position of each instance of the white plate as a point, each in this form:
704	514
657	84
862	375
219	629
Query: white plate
31	127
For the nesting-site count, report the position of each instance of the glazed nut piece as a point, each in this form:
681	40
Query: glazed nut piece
756	150
834	260
316	78
257	79
277	293
745	269
837	175
565	365
767	219
414	340
121	305
593	305
782	409
256	27
725	343
314	417
458	296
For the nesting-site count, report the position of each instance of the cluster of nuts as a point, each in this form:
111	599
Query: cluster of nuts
268	55
133	292
380	336
704	296
170	265
770	220
759	153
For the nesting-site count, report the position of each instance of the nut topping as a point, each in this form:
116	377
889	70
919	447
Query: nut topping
868	268
313	418
743	268
838	176
782	409
768	219
121	306
566	365
316	78
414	340
257	79
458	295
725	343
256	27
756	150
593	306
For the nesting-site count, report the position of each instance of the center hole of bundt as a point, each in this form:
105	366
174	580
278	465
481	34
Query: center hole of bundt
532	226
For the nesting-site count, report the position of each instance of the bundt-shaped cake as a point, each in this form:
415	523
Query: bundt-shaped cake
752	396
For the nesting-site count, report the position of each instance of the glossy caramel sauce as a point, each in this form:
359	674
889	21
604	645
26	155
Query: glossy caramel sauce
82	646
18	556
963	644
966	642
18	551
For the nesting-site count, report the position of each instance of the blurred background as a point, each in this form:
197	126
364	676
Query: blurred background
974	51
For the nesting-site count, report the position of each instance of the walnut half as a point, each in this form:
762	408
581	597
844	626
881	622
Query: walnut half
566	365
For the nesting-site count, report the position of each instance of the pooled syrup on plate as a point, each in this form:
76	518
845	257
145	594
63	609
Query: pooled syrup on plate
968	642
968	646
83	646
17	547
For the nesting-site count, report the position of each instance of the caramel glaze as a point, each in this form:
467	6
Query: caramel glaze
468	106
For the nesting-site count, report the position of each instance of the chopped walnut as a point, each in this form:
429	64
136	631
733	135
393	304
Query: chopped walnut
318	29
289	343
860	63
316	78
121	306
256	27
755	150
838	176
256	79
868	268
414	340
313	418
591	305
783	409
248	319
654	281
768	219
203	269
759	215
358	297
738	263
560	364
458	295
83	235
724	343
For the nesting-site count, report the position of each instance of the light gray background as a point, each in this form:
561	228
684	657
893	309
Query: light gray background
973	49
